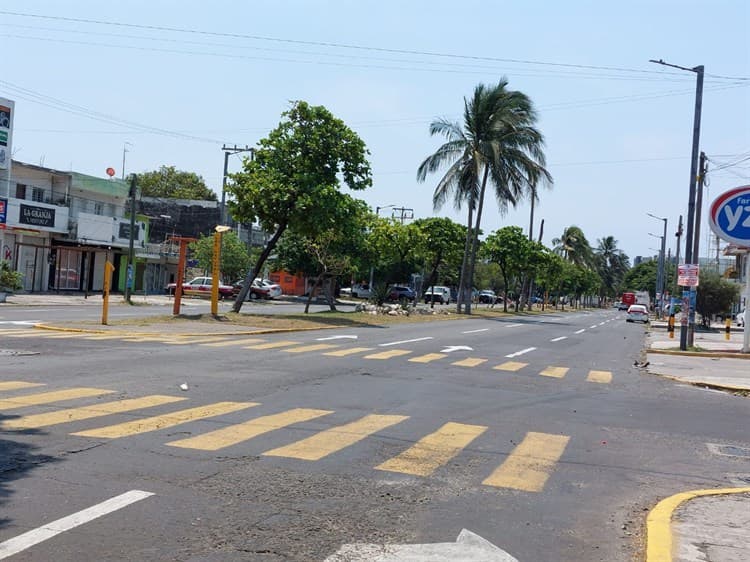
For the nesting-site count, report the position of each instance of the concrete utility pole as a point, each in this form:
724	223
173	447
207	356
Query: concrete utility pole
661	268
689	257
699	204
227	151
130	269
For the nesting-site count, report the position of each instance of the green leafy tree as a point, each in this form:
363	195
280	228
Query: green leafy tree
293	181
497	145
715	296
168	182
398	249
234	257
442	249
550	272
510	249
642	277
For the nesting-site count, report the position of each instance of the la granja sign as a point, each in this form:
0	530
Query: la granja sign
729	218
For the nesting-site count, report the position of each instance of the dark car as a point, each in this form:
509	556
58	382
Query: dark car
401	293
488	297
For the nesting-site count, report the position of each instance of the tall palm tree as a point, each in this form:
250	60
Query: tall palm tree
573	247
612	263
497	144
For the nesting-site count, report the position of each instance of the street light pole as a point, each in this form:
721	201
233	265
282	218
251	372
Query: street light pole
227	151
130	269
689	258
662	274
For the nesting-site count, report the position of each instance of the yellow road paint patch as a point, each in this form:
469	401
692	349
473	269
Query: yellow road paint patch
555	372
529	465
434	450
469	362
167	420
228	343
49	397
87	412
428	358
603	377
187	340
510	366
331	440
348	351
16	385
314	347
388	354
273	345
228	436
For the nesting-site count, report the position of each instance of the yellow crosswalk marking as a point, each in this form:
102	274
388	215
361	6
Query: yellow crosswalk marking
314	347
603	377
16	385
27	334
273	345
510	366
529	465
49	397
188	340
87	412
331	440
388	354
228	436
555	372
428	358
168	420
61	335
434	450
97	337
232	342
15	331
469	362
348	351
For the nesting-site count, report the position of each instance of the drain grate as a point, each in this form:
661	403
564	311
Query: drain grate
729	450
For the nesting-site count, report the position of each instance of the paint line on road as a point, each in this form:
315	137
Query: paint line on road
335	439
16	385
602	323
592	327
469	362
475	331
273	345
49	397
522	352
560	338
529	465
26	540
348	351
603	377
580	331
388	354
510	366
513	325
434	450
428	358
555	372
313	347
233	434
228	343
404	341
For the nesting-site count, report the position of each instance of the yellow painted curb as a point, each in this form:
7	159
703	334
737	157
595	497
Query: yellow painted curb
659	522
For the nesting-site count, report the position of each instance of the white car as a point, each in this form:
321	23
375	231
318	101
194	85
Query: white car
437	293
741	317
637	313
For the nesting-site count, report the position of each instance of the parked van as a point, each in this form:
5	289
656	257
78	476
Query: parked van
437	293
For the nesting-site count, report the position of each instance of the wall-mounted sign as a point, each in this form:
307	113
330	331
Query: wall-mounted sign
3	210
6	132
125	231
729	217
688	275
37	216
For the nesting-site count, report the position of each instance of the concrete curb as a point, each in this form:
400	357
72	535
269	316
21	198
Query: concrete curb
711	385
659	521
710	354
203	334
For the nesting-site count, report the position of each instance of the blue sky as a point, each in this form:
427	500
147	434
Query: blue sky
618	129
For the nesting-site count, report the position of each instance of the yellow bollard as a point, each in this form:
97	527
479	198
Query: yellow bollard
670	326
108	269
727	328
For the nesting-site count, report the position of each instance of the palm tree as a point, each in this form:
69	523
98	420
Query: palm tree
612	264
573	247
497	144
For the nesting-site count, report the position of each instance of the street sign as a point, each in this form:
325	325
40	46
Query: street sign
729	216
688	275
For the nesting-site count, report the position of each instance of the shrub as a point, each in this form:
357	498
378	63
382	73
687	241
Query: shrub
10	280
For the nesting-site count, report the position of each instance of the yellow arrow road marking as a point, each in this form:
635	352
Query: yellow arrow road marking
331	440
168	420
529	465
237	433
434	450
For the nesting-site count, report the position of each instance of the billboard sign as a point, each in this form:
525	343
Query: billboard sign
7	108
729	216
688	275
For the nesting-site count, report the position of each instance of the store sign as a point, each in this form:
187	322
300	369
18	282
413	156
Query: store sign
37	216
688	275
6	132
3	210
125	231
729	216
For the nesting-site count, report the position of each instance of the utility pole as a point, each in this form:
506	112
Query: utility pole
699	204
227	151
130	269
689	257
405	213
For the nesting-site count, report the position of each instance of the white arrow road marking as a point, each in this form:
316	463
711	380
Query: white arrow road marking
337	338
580	331
560	338
475	331
469	547
41	534
404	341
517	353
452	348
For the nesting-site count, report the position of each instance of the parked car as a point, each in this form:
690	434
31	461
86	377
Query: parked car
360	291
259	289
400	293
741	318
201	287
622	305
637	313
488	297
437	293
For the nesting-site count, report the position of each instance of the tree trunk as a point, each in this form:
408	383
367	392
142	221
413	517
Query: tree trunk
251	275
311	291
475	237
329	293
461	296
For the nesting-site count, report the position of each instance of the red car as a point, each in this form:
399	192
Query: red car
201	287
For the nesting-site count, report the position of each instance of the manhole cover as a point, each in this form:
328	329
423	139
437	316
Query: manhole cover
16	352
729	450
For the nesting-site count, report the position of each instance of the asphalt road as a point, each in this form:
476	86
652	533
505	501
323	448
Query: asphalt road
541	437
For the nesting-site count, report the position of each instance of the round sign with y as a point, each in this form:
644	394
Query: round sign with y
729	217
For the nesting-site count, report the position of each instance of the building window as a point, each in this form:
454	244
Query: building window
20	191
98	208
37	194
